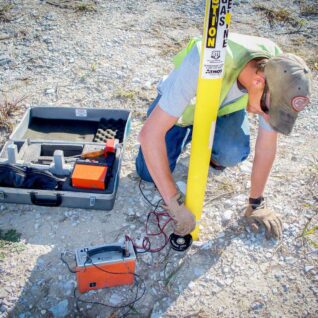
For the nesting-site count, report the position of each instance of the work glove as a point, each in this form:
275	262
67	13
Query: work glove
184	220
258	214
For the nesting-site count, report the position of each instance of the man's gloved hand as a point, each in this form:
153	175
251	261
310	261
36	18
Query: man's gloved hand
257	214
183	218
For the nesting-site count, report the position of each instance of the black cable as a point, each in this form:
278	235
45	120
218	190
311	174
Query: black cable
155	205
66	263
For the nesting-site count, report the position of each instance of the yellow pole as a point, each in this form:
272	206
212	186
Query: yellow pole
216	28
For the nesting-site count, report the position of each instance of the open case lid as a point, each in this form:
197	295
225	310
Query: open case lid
75	125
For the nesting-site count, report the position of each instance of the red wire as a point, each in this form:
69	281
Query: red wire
146	244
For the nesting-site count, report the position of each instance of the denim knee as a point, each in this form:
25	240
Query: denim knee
141	167
232	156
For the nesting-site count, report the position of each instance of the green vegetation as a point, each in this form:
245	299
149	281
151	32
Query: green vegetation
85	7
310	232
125	94
10	243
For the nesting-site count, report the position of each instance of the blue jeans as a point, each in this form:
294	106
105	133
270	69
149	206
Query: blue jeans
231	143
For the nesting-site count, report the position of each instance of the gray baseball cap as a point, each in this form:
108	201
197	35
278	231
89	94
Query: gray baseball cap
289	82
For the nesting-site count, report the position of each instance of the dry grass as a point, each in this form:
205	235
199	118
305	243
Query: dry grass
311	59
6	14
7	108
308	9
76	5
279	15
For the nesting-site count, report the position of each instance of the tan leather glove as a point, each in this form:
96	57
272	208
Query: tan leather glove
183	218
261	215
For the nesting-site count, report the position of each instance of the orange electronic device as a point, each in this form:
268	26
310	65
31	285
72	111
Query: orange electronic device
89	176
105	266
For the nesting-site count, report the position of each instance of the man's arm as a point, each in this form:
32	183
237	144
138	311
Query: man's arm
153	145
265	152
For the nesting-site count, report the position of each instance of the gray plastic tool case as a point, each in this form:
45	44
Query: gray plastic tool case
46	129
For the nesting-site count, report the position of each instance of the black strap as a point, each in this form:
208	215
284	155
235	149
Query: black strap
255	202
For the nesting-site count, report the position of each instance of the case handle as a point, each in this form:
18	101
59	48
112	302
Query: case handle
46	202
104	249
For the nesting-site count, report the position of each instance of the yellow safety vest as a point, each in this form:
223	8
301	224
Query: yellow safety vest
240	50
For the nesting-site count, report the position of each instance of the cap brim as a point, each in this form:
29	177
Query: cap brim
282	120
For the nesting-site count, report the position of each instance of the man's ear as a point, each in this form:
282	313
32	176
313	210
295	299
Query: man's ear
259	80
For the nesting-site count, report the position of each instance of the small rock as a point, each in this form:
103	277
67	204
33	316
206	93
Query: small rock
228	204
147	258
220	310
131	212
3	293
115	299
286	288
279	275
147	85
5	60
198	271
226	216
257	306
314	289
308	268
246	167
6	302
49	91
182	187
136	80
220	283
228	281
60	310
290	260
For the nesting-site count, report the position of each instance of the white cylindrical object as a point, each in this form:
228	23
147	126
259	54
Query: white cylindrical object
12	151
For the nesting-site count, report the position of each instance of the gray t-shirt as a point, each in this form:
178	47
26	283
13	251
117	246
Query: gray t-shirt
180	86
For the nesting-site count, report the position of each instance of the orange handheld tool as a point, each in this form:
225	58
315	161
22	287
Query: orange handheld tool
105	266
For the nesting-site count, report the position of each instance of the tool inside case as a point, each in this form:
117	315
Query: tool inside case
85	154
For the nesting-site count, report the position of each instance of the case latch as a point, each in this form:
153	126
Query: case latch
2	195
92	201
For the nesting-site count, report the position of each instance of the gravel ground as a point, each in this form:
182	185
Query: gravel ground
112	57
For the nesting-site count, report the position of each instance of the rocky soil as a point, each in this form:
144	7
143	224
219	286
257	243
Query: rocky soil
111	54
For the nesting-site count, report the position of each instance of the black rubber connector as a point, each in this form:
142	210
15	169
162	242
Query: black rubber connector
180	243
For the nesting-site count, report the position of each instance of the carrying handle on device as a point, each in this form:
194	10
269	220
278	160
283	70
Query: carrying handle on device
103	249
46	202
